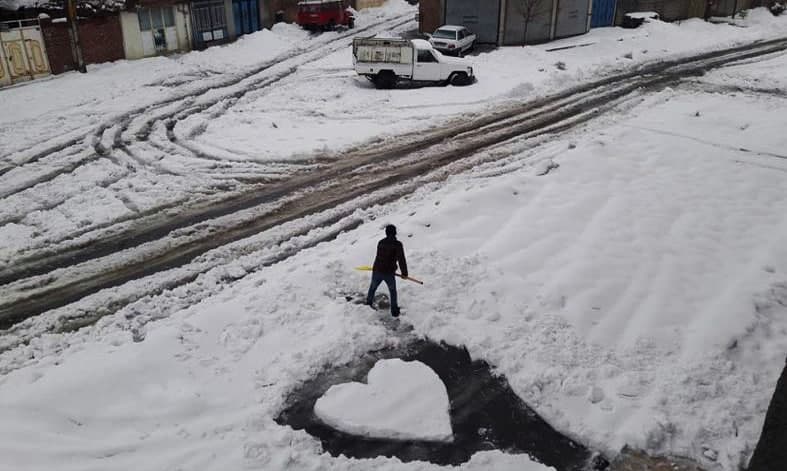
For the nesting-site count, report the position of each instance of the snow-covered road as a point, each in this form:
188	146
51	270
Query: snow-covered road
626	276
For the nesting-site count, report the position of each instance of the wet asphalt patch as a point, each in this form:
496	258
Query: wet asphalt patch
485	414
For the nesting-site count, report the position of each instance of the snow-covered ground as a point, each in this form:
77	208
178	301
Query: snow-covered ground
326	108
633	295
323	108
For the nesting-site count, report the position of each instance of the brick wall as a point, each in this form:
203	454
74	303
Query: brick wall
430	13
101	39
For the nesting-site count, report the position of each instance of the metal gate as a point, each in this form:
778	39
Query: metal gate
246	14
572	18
209	21
603	13
481	17
22	52
696	8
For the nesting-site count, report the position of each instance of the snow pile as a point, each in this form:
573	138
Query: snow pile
401	401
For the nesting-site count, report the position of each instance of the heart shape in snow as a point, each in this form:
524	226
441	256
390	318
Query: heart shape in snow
402	400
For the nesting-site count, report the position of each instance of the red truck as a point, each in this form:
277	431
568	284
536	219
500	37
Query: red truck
325	14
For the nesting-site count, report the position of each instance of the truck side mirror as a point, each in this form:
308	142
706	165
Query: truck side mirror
428	35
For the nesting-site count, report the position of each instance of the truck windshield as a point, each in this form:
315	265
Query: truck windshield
425	55
444	34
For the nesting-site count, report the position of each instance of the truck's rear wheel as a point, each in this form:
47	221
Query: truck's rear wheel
385	80
460	79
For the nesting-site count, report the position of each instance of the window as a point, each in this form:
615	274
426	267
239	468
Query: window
424	55
444	34
144	19
155	18
169	16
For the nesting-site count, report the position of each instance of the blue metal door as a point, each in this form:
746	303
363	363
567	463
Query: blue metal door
603	13
246	14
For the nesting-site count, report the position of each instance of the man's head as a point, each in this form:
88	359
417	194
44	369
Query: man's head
390	230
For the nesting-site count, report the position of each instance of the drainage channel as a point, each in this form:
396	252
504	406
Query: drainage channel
485	414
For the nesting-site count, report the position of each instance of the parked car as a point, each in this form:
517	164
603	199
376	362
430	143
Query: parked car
325	14
388	61
450	39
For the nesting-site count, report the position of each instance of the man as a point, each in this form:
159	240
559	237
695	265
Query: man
389	252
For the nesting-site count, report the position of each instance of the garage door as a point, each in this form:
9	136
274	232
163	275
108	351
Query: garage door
572	17
479	16
603	13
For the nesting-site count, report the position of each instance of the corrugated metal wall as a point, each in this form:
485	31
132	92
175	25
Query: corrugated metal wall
572	18
539	29
482	17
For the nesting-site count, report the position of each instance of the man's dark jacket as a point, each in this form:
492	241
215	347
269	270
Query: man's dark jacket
389	252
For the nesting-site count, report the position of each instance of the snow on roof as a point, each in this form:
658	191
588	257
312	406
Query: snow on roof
643	14
451	27
88	5
421	44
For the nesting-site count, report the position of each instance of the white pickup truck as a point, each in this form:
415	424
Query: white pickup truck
387	61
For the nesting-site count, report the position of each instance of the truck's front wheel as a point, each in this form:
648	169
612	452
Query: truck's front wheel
460	79
385	80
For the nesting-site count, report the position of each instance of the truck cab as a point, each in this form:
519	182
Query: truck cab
431	65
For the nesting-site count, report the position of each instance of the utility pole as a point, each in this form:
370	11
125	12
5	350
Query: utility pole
76	49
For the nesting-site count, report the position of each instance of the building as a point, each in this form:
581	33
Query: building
154	27
509	22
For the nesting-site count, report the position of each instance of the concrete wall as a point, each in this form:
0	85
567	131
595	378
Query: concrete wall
183	26
101	39
132	36
232	33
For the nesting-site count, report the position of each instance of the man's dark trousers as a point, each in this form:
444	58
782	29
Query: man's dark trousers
390	280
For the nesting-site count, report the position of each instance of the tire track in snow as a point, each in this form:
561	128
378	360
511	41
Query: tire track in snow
108	137
343	182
